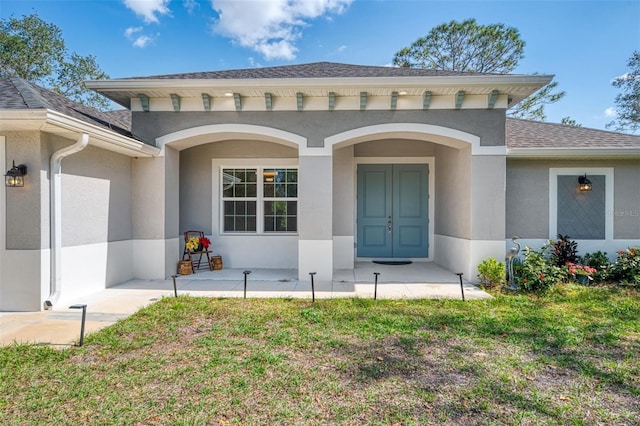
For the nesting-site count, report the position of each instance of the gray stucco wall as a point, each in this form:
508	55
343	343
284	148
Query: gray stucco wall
395	148
24	226
195	176
343	192
96	197
96	194
488	197
528	196
489	125
453	192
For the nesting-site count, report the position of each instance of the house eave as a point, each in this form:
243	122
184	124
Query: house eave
517	87
50	121
574	153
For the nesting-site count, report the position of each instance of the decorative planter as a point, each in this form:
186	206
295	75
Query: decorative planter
216	263
184	267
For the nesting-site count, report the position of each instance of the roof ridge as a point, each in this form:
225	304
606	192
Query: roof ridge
311	70
29	94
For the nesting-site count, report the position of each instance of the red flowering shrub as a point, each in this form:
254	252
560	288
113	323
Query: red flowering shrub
627	266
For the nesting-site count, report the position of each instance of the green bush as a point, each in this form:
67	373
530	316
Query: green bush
600	262
627	266
563	251
491	273
537	273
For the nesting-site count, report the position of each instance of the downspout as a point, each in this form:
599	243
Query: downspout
55	213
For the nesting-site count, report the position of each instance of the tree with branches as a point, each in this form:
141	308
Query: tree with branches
628	101
33	49
469	47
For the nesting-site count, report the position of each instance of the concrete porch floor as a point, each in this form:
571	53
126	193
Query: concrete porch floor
61	326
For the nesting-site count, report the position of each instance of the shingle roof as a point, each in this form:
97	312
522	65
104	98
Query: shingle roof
537	134
18	94
313	70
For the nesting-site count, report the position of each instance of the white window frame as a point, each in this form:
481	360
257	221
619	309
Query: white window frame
259	165
554	172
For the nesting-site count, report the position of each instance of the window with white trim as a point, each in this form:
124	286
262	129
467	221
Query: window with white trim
259	200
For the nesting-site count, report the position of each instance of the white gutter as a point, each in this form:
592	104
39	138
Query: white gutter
55	209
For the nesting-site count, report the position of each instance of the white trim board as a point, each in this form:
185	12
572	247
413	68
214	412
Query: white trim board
554	172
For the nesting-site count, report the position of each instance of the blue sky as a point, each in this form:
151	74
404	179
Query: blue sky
584	43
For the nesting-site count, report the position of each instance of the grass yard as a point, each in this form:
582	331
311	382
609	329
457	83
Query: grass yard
569	357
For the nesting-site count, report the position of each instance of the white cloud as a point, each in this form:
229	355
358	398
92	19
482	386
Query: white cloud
190	5
148	9
610	112
129	32
271	27
342	48
137	39
253	63
143	41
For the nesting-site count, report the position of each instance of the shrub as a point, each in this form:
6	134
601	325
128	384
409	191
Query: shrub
537	273
600	262
563	251
627	266
491	272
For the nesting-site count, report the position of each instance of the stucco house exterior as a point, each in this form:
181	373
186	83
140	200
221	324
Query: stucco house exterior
310	167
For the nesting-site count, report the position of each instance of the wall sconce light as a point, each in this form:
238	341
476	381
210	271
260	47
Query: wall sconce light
15	175
584	184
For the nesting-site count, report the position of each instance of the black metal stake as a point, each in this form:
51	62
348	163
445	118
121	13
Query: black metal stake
84	317
459	274
175	289
313	290
375	288
245	282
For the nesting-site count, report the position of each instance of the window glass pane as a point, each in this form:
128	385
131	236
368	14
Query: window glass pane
228	223
239	183
240	216
251	224
269	223
280	183
251	208
280	216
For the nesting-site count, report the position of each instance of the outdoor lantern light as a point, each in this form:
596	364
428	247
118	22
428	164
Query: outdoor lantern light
584	184
15	176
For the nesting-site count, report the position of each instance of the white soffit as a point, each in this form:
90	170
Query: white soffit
509	88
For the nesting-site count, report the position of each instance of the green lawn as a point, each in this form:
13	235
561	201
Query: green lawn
569	357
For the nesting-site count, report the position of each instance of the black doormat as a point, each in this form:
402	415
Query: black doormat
393	262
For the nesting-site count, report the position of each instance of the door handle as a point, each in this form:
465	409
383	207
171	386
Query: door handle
389	224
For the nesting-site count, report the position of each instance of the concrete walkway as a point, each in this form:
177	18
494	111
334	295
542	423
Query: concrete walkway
60	327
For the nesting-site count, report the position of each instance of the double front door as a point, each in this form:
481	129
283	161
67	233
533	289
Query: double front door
392	220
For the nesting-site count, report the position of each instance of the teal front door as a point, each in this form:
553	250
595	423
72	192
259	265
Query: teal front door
392	207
